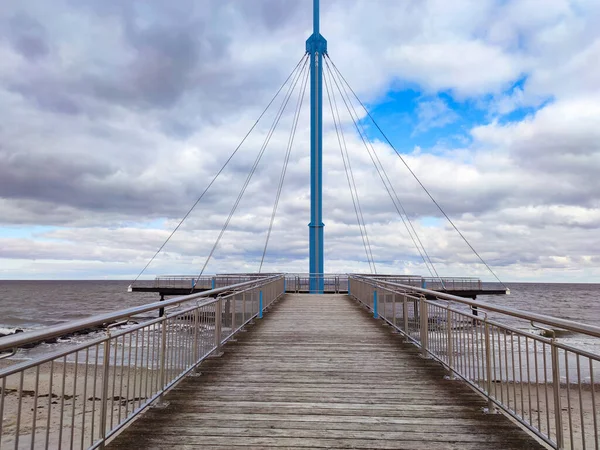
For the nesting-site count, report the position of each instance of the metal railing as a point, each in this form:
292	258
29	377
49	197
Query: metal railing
203	282
445	283
184	282
550	387
300	282
82	395
452	283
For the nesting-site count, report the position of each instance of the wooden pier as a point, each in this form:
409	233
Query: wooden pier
319	372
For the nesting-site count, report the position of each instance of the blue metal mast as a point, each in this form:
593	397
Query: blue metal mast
316	46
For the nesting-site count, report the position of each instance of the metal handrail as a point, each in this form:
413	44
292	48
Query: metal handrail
443	283
565	324
21	339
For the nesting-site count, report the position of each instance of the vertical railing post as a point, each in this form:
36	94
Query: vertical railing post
557	402
385	307
218	324
449	344
488	364
195	347
233	302
424	326
214	282
375	312
163	355
104	396
394	310
405	315
244	307
260	305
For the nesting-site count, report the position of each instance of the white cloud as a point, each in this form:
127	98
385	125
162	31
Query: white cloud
115	114
434	113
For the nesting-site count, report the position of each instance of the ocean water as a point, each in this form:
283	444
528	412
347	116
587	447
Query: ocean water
30	305
578	302
35	304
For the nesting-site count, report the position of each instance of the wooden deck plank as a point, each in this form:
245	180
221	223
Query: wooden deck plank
318	372
395	435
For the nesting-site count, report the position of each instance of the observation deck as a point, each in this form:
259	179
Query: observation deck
169	285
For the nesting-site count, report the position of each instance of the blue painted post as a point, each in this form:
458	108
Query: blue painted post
214	282
316	46
260	305
284	284
375	313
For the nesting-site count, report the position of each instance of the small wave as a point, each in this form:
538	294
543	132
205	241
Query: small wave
556	332
77	337
6	331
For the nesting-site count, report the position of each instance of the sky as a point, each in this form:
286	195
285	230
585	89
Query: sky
116	115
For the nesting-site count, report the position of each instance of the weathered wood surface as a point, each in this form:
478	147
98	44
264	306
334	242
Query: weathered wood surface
319	372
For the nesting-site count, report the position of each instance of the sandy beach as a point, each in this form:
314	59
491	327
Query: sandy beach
535	403
68	389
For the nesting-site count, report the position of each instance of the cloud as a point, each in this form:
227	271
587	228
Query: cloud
116	115
558	146
28	37
434	113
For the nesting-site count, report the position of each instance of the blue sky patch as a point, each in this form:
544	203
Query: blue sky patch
25	232
411	118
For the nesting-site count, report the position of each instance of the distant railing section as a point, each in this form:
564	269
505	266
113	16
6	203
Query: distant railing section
452	284
295	282
81	396
193	282
549	387
436	284
301	282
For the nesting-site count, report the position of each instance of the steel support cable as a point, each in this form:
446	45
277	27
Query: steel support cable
254	166
305	57
352	175
353	191
383	179
416	239
415	176
285	163
351	182
349	169
414	231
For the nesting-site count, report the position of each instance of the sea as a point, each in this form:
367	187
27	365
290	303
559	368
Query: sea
28	305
